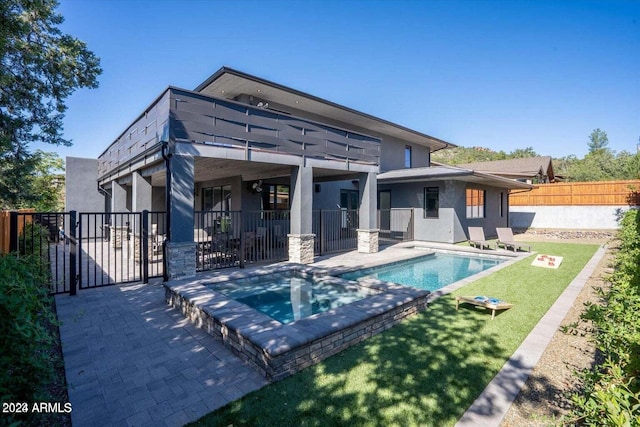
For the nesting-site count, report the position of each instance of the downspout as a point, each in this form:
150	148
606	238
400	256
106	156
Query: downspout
510	191
446	145
107	196
166	155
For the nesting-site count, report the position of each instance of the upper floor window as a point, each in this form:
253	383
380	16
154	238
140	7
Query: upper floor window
407	156
475	203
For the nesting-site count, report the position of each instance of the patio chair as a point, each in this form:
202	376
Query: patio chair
477	239
202	239
506	239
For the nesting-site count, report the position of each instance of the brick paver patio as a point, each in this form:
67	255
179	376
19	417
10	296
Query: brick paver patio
132	360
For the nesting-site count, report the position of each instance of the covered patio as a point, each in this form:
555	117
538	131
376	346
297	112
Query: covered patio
203	159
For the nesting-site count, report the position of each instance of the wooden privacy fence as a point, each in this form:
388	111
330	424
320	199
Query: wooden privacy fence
5	228
600	193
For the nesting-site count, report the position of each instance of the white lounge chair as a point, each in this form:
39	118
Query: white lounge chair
477	239
506	239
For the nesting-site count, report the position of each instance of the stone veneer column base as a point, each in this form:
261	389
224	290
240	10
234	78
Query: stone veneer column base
181	260
368	241
301	248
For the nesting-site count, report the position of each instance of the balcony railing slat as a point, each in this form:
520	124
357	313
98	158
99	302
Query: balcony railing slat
199	118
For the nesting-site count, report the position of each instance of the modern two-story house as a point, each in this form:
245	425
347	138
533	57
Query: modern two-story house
239	143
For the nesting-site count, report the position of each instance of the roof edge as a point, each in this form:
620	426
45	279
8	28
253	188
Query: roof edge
228	70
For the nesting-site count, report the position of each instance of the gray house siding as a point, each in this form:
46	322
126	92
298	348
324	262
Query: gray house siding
392	154
391	149
82	193
452	222
494	216
326	195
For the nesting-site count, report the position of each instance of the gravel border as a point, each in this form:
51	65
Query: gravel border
545	395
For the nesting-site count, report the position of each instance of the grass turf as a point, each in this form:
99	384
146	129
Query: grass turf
426	370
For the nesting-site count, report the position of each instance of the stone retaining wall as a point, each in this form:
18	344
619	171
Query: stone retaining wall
278	350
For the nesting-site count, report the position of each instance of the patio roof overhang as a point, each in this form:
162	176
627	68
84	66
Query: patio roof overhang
439	173
230	83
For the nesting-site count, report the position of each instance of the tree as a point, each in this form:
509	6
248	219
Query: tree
598	141
48	182
39	68
519	153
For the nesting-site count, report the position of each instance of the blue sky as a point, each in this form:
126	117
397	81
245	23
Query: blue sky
496	74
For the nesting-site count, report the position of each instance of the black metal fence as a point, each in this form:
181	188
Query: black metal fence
395	225
90	249
43	235
93	249
335	230
236	238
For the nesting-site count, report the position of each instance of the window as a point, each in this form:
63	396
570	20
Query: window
275	197
431	202
407	156
475	203
216	198
501	205
349	199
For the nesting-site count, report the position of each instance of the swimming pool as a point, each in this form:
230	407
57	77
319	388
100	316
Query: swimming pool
290	296
430	272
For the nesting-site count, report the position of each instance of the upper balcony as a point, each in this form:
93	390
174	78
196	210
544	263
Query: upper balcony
183	116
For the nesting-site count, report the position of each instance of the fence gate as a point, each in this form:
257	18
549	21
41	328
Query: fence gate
118	247
86	250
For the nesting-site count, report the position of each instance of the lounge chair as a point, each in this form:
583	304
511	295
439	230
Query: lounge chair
477	239
506	239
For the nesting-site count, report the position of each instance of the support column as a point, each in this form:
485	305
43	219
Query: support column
140	201
118	197
142	189
181	248
368	231
118	224
301	239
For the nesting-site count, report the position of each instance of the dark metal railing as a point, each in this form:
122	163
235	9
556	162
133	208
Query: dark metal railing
94	249
182	115
236	238
335	230
395	225
86	250
43	235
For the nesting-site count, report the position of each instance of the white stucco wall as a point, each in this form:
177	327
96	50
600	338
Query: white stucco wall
569	217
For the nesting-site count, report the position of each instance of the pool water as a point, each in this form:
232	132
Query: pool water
287	297
430	272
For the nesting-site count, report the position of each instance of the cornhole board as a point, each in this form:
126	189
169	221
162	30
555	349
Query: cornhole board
547	261
492	304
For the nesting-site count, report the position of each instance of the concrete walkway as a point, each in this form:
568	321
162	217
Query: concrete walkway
131	360
491	406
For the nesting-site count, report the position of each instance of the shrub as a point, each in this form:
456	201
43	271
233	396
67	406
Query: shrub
611	392
34	240
26	313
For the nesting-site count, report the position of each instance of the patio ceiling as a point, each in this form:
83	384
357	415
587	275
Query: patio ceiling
209	169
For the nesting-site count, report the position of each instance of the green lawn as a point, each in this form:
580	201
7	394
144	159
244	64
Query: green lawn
426	370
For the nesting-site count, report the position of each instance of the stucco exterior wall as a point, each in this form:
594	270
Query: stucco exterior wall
82	193
569	217
392	154
328	198
494	216
452	222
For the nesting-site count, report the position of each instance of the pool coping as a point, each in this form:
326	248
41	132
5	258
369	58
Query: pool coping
278	350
